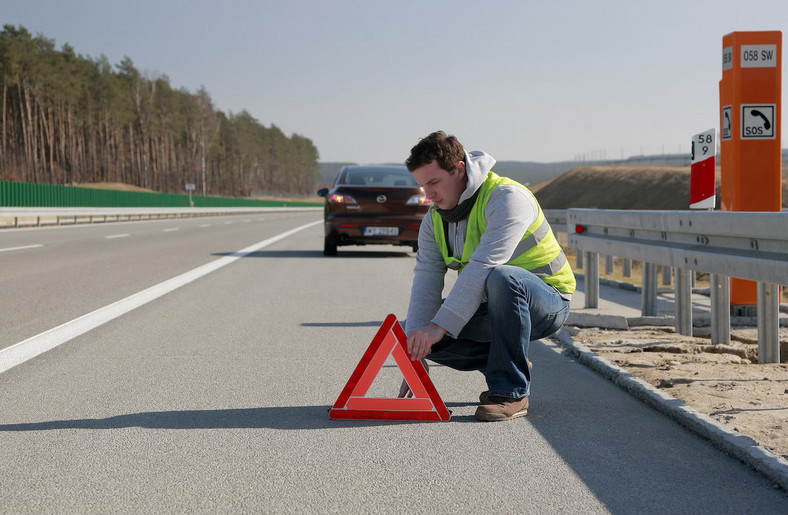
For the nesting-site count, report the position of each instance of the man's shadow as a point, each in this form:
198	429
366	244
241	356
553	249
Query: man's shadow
292	417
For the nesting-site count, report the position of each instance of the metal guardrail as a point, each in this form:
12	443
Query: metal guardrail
37	216
556	218
748	245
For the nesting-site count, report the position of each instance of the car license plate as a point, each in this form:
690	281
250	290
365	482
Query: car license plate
381	231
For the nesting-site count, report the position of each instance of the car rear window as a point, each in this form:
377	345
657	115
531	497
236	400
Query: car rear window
378	178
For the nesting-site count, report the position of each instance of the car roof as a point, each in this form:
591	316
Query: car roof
375	168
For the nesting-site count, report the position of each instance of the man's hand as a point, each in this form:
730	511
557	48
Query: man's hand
421	340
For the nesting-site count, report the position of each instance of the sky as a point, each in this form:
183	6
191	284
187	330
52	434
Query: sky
523	80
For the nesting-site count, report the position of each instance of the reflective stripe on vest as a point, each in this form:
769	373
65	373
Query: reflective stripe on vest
538	251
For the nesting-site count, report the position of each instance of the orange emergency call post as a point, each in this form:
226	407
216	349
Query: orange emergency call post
750	135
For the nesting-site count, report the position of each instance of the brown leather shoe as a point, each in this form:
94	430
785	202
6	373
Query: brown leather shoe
497	408
486	393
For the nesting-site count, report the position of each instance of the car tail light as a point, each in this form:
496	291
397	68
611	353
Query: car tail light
417	200
337	198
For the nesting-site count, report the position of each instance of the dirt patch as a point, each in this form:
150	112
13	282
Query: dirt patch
723	382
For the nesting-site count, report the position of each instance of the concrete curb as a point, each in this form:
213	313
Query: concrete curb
735	444
658	321
597	320
602	321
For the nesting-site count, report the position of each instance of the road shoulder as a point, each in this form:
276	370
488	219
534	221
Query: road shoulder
631	378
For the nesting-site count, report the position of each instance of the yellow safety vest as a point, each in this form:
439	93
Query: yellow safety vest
538	250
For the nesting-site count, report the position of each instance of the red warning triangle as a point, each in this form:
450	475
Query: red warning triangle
426	403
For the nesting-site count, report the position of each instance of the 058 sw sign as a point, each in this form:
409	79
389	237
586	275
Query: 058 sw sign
758	56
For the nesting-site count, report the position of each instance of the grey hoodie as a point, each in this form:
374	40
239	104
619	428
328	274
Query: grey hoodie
510	211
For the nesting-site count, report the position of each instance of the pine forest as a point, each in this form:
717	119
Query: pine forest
69	119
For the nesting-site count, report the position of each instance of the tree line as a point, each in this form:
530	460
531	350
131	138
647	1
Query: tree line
69	119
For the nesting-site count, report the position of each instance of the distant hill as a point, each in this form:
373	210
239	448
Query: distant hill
521	171
639	182
528	173
623	187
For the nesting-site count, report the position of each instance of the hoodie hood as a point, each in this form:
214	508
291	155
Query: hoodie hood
477	166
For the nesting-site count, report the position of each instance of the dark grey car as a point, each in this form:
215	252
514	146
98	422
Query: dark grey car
373	205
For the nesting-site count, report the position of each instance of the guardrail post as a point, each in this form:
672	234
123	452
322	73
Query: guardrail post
768	323
627	264
648	305
667	275
609	265
592	279
683	303
579	258
720	309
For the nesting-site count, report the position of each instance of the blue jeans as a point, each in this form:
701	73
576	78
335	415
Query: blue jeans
520	308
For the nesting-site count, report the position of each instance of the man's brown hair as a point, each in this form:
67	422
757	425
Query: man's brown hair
446	150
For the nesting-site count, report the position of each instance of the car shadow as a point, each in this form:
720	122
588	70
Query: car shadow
372	323
351	254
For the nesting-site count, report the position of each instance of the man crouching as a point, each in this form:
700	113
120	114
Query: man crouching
514	282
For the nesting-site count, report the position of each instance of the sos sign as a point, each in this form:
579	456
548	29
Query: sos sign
757	121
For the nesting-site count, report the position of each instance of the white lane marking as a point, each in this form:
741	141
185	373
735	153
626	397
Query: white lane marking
228	223
205	225
170	229
48	340
9	249
113	236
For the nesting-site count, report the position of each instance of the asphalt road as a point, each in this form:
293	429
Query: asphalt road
214	396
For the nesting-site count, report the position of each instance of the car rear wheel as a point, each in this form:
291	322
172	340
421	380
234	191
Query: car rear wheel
329	247
415	247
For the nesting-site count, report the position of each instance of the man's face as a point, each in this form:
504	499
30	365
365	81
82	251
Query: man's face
441	187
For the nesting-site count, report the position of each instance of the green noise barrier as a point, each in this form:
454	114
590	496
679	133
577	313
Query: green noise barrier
23	194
